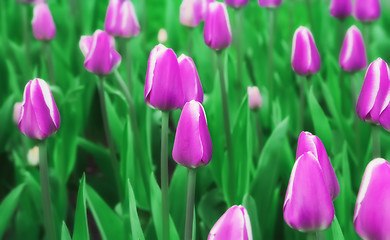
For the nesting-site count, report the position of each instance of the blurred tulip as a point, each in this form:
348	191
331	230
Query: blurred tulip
43	23
191	12
192	88
39	116
236	3
162	35
99	52
308	205
353	53
217	32
121	19
305	59
374	96
233	225
341	8
270	3
163	85
16	112
192	147
367	10
372	212
33	156
308	142
254	98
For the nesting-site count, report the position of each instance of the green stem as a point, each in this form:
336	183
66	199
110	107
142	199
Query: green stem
355	118
367	38
238	33
191	182
49	62
302	103
226	119
318	235
190	40
310	13
376	144
164	175
341	32
26	37
258	129
48	217
110	141
271	35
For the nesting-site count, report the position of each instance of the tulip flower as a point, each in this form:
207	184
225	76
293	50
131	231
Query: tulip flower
367	10
236	3
162	35
217	32
233	225
305	59
308	142
341	8
372	212
16	112
99	52
121	19
43	23
33	156
308	204
39	116
163	85
192	88
353	53
270	3
191	12
254	98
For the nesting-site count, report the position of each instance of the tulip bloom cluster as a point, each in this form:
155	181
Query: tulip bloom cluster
364	10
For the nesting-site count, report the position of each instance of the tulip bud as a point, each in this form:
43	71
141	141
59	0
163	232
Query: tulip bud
372	212
121	19
43	23
308	205
99	52
236	3
233	225
162	35
33	156
305	59
270	3
308	142
367	10
217	32
374	96
39	116
163	85
192	88
341	8
191	12
254	98
353	53
192	147
16	113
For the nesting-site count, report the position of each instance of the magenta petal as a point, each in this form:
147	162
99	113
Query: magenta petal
236	3
192	88
43	23
254	98
217	32
353	52
367	10
384	118
270	3
191	12
85	44
307	191
372	211
341	8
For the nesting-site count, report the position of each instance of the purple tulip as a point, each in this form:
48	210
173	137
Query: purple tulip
99	52
236	3
191	12
16	112
163	85
233	225
270	3
308	205
217	32
341	8
43	23
121	19
308	142
192	88
39	116
353	53
374	96
254	98
305	59
372	211
367	10
192	147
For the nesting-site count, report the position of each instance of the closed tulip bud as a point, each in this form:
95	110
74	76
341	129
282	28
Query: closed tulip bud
16	113
121	19
43	23
236	3
233	225
367	10
308	142
270	3
191	12
163	85
192	147
308	205
33	156
162	35
254	98
39	116
374	96
353	53
341	8
372	212
305	59
99	52
192	88
217	32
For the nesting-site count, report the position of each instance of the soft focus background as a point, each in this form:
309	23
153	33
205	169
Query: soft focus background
262	169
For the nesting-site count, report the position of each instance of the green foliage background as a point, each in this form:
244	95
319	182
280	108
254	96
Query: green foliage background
85	202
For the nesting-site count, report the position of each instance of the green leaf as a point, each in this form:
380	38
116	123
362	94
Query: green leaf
136	229
250	205
8	206
211	207
334	232
177	197
80	230
65	232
